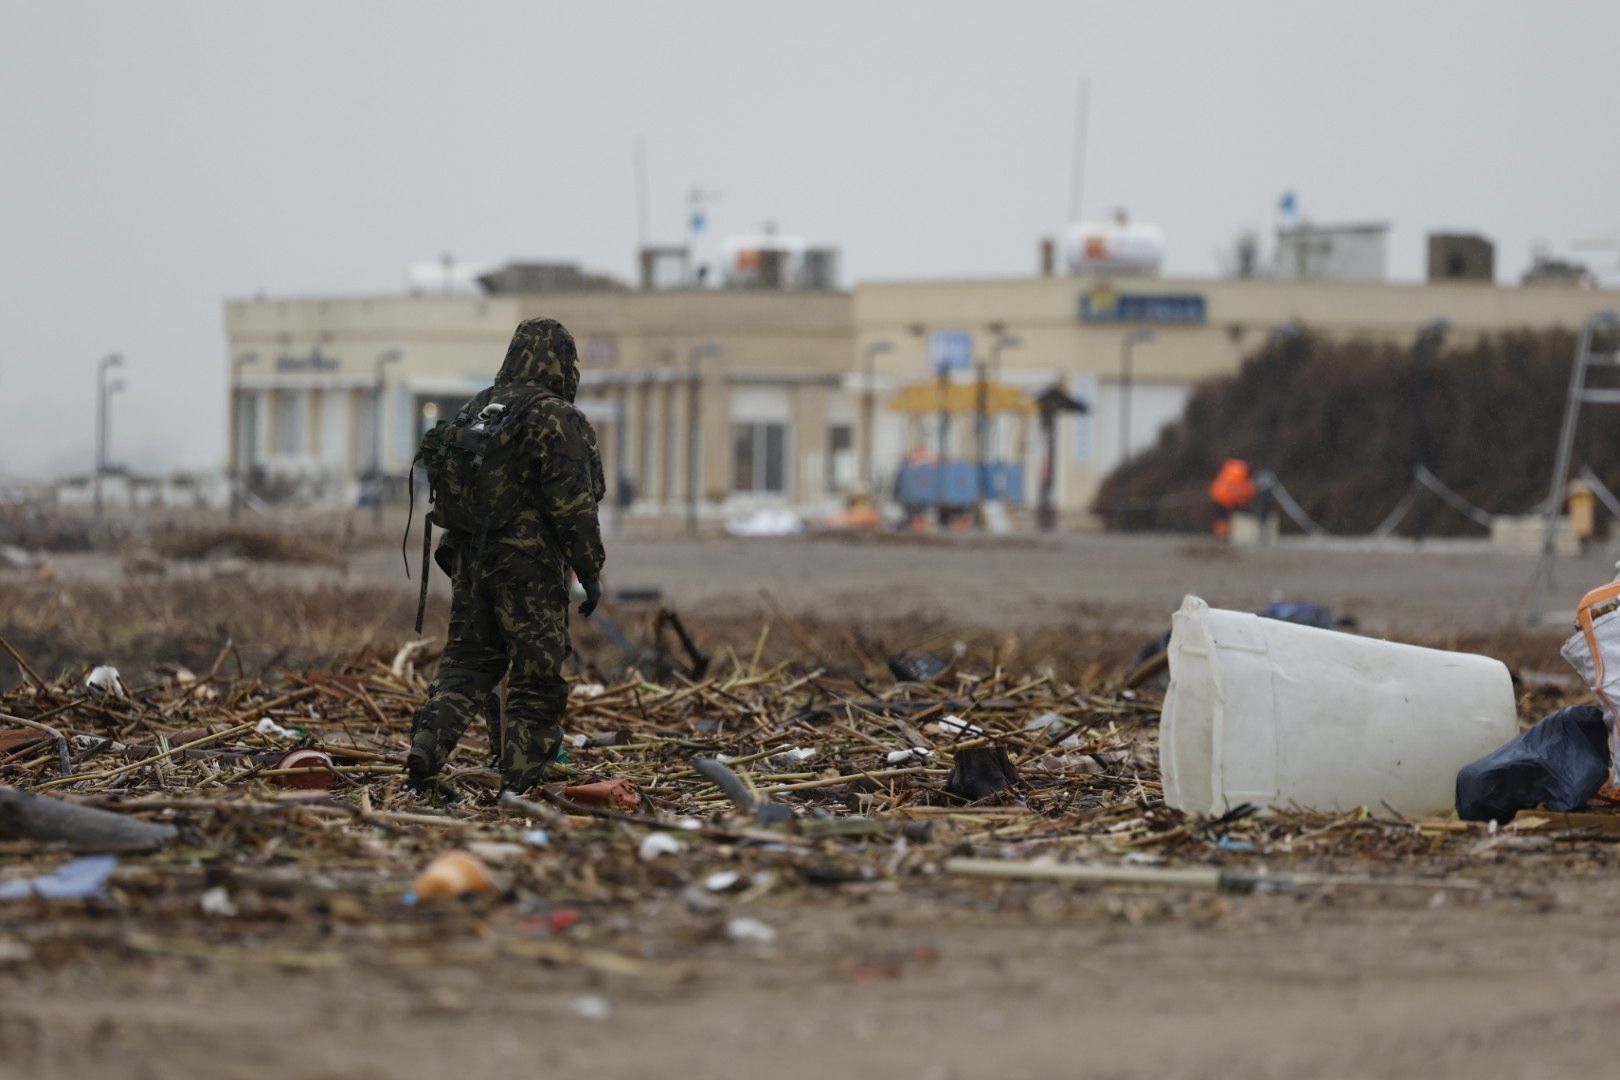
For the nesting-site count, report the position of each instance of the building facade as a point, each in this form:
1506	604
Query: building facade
703	400
710	401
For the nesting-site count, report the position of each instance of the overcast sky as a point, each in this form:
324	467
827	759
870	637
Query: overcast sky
159	157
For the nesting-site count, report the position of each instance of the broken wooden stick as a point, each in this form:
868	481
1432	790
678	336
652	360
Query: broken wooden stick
25	816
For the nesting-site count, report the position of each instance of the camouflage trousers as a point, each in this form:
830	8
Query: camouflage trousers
508	616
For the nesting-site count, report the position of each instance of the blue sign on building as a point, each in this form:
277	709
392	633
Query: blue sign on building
950	350
1103	304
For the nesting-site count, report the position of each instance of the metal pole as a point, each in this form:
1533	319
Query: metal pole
109	361
982	432
694	433
869	414
1560	475
237	471
101	433
378	388
1428	343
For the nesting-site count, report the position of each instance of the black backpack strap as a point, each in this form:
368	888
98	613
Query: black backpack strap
427	554
410	512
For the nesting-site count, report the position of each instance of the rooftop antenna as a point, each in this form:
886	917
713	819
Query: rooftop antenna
1077	165
643	206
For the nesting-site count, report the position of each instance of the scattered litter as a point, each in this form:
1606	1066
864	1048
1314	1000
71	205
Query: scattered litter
1226	843
216	902
274	730
799	755
955	725
306	758
537	838
593	1008
979	772
451	875
1558	764
659	843
765	522
46	820
105	682
918	668
616	794
81	879
1321	719
722	881
746	928
587	690
915	753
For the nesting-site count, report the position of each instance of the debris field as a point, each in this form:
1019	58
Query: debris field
687	812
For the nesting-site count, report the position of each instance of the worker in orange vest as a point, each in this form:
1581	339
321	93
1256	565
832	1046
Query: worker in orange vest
1233	489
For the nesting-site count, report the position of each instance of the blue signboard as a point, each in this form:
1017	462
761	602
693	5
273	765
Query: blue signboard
1103	304
950	350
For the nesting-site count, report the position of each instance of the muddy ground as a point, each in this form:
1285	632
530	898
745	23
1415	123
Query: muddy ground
922	975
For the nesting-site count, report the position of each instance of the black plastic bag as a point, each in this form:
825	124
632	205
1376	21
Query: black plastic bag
1560	763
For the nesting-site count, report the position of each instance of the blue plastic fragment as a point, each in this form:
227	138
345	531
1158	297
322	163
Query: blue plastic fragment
80	879
1226	843
537	838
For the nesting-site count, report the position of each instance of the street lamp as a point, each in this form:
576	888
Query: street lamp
385	358
869	410
1126	348
1423	350
694	431
1001	340
241	449
111	360
1275	340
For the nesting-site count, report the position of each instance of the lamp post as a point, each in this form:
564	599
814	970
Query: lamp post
694	430
989	444
379	385
111	360
869	410
1127	349
241	449
1423	351
1275	340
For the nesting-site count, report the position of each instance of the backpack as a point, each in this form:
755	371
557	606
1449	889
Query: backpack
470	462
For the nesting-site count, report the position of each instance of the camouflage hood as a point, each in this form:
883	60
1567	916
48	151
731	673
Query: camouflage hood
542	354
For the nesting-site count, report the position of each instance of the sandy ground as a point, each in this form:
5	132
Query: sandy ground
938	980
1007	982
1440	588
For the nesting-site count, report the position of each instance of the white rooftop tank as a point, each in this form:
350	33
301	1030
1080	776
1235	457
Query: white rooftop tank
1116	246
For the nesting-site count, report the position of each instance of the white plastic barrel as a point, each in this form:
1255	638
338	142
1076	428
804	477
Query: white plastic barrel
1266	712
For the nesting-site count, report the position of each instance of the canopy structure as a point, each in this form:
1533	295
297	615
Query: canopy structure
933	397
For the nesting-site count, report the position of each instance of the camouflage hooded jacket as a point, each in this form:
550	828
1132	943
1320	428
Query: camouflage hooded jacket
561	484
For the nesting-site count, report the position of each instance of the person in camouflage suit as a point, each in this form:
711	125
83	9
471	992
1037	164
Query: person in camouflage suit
509	607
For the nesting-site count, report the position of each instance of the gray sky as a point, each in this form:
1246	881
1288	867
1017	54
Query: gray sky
159	157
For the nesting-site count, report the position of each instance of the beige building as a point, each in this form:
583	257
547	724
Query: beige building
327	389
781	382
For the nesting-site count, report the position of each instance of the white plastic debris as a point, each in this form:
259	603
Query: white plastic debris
722	880
1049	722
746	928
104	682
766	522
796	756
217	902
587	690
660	843
915	753
592	1007
955	725
269	727
688	824
579	742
